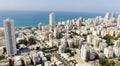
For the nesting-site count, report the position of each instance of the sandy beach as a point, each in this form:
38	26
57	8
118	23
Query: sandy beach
1	31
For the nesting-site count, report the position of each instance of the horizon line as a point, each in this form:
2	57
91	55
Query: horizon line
61	11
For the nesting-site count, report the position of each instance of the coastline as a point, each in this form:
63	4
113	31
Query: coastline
1	28
29	18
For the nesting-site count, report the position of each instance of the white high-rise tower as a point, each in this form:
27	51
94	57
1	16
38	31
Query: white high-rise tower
107	15
10	37
52	19
118	21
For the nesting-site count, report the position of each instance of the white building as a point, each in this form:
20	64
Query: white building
44	59
96	42
47	63
79	21
65	55
88	53
117	52
52	19
17	61
76	41
36	59
102	45
62	48
27	60
50	36
96	32
56	32
118	22
109	53
70	42
50	43
113	17
63	41
117	43
89	38
103	33
107	15
40	26
10	37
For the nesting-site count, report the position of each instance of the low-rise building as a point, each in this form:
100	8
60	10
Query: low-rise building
88	53
47	63
70	42
17	61
27	60
117	43
102	45
36	59
117	52
62	48
4	62
109	53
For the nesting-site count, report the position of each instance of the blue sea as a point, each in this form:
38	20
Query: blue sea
32	18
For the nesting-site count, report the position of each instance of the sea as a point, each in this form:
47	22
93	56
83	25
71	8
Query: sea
33	18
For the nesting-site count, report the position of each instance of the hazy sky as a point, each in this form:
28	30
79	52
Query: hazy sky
62	5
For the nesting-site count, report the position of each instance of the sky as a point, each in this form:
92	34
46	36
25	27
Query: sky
62	5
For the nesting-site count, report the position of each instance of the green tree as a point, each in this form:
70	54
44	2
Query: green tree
23	42
109	39
1	57
112	63
117	63
118	59
11	62
23	64
85	36
103	61
31	41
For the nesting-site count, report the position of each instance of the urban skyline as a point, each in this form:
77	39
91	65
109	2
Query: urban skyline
60	33
69	43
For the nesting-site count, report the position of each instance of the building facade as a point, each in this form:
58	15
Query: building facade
10	37
52	19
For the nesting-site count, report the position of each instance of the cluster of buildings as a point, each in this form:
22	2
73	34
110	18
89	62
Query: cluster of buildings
75	42
32	58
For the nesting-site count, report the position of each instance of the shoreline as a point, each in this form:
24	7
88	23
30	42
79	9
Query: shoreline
26	27
24	19
18	27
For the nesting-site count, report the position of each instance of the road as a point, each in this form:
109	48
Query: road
66	63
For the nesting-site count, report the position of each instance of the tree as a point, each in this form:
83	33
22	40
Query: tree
11	62
117	63
31	41
112	63
23	42
85	36
103	61
23	64
118	59
48	57
4	49
109	39
1	57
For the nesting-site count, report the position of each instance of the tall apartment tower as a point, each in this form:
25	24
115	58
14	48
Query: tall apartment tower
52	19
10	37
118	21
107	15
